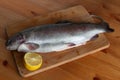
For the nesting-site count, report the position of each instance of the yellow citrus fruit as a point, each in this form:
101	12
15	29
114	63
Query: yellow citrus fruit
32	61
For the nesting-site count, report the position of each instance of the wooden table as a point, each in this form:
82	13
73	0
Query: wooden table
103	65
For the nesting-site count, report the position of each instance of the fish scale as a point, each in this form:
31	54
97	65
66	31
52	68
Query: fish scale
56	37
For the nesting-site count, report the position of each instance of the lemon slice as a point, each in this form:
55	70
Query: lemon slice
32	61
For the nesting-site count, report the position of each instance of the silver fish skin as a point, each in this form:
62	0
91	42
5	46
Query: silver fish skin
55	37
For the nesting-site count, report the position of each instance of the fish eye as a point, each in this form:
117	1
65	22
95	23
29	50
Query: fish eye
19	36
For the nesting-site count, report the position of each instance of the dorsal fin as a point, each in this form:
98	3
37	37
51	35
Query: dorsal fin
100	20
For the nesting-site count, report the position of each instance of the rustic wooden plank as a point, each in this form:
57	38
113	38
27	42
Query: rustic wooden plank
84	71
8	17
25	8
105	69
54	74
107	9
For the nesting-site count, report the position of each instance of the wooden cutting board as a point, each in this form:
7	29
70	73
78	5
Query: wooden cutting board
51	60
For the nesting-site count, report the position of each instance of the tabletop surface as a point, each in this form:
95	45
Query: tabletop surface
103	65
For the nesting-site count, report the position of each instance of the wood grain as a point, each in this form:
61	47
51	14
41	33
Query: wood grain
67	14
52	60
12	11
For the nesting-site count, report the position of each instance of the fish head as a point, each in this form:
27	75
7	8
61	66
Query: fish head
15	41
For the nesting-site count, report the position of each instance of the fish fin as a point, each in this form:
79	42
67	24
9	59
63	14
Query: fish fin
26	47
64	21
100	20
31	46
23	48
70	44
94	37
107	27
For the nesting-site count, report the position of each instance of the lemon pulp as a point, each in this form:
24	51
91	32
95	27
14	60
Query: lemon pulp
32	61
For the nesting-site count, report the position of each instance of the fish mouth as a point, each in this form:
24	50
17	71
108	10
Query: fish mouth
8	48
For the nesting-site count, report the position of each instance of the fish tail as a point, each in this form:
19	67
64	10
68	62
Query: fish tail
110	30
107	27
104	24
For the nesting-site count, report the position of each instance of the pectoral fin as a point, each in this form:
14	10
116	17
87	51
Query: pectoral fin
26	47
